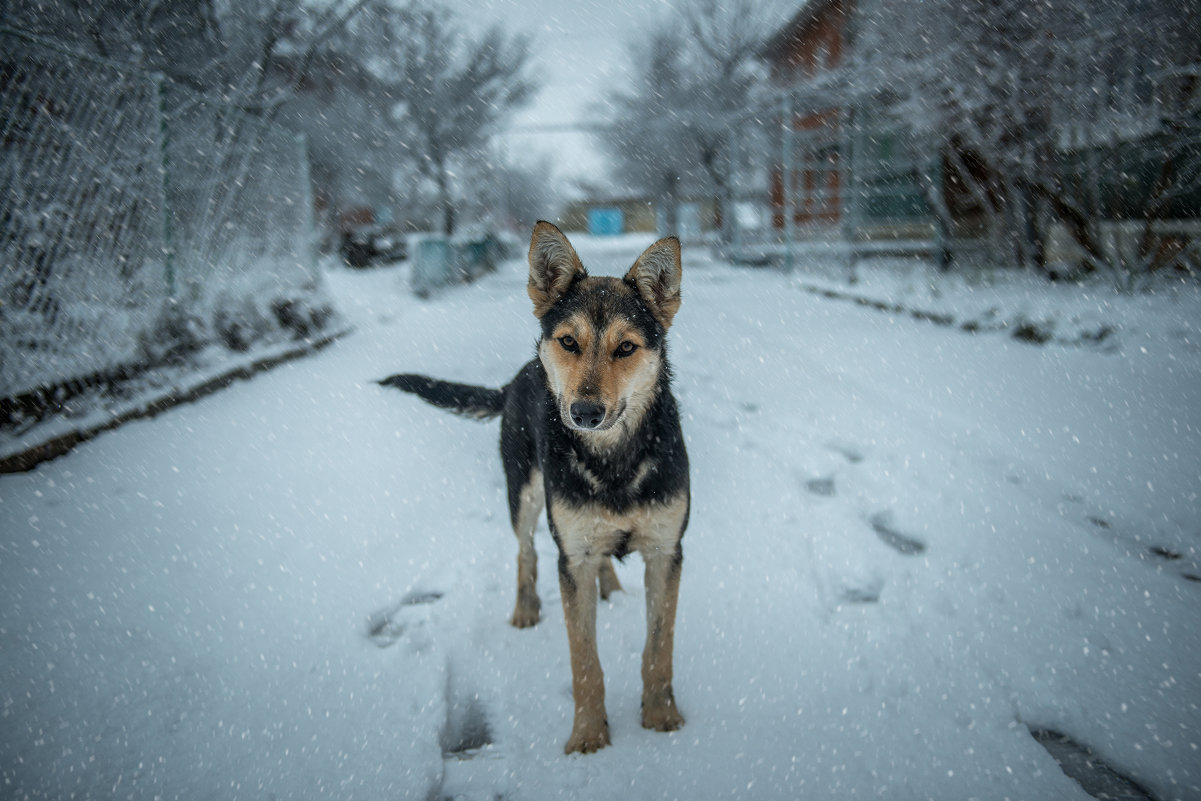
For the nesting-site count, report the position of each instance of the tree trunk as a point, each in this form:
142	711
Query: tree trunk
444	200
1076	222
980	194
670	199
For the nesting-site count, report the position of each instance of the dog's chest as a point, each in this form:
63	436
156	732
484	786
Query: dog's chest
591	529
598	478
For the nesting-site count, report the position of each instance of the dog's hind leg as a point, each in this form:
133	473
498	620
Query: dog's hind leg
525	501
608	579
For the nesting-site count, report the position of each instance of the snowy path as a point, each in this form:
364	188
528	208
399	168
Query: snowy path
909	549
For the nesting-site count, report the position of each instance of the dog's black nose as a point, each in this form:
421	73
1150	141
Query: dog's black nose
587	414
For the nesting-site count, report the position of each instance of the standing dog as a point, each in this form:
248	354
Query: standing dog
590	430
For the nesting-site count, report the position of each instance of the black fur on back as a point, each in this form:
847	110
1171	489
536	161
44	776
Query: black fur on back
480	403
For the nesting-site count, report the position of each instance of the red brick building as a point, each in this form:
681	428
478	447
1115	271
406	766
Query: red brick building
814	42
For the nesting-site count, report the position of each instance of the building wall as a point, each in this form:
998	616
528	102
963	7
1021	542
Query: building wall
816	167
817	41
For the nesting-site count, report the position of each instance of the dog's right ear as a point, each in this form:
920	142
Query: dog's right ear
553	266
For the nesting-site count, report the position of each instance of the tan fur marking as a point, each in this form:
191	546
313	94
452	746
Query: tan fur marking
582	470
528	610
592	530
641	473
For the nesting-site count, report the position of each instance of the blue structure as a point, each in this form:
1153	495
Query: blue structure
608	221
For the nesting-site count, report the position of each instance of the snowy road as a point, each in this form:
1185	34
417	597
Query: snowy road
910	548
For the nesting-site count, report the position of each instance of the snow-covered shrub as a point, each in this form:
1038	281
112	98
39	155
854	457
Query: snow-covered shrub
176	333
303	315
239	322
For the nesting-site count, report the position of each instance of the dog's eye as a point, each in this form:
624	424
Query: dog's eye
626	348
569	344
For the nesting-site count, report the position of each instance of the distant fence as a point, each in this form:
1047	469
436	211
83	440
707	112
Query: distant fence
139	222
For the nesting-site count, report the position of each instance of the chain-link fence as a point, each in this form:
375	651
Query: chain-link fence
139	222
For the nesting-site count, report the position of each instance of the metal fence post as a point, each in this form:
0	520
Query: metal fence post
733	241
789	200
306	198
942	254
161	134
849	206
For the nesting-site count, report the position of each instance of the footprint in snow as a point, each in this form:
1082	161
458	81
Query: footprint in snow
823	487
888	532
852	454
1172	555
1189	570
866	592
386	626
1084	766
467	728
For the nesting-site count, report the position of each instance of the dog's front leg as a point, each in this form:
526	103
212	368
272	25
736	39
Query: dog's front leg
577	584
663	569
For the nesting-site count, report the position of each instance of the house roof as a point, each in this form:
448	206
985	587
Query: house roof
778	42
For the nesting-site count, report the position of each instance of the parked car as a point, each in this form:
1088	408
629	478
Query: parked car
364	245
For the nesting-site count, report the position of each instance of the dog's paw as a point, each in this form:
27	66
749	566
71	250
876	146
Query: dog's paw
587	738
661	715
526	614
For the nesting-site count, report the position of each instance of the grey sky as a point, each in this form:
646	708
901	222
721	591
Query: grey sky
580	50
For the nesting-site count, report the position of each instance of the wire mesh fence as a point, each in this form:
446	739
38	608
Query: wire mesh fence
139	222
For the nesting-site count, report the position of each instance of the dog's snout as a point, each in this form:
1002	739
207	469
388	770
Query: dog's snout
587	414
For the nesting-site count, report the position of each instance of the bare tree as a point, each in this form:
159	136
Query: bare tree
454	89
219	49
696	73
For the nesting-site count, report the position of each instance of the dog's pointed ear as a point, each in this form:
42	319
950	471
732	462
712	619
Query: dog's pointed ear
553	266
657	274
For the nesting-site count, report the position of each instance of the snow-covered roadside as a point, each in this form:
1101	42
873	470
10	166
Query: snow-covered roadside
91	411
96	411
1024	306
909	548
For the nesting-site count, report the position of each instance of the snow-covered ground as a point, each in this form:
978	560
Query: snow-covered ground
1017	303
911	548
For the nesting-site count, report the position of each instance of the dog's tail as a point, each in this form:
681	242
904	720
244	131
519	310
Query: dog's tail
480	403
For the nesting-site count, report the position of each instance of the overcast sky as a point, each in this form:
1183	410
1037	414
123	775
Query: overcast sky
581	50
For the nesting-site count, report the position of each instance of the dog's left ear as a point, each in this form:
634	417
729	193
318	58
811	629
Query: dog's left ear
657	275
554	265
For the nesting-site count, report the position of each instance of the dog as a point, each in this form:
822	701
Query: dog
590	430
